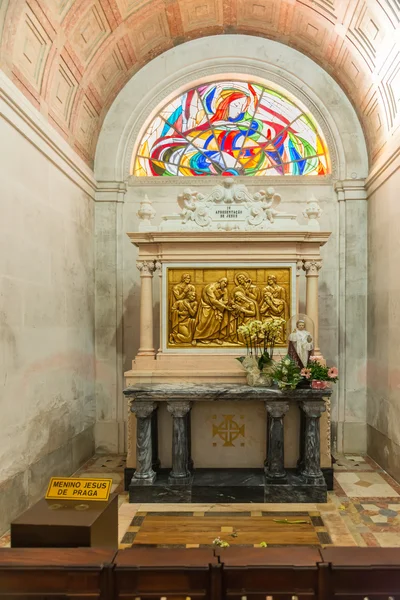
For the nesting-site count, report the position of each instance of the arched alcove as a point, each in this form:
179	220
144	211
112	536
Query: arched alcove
204	59
342	281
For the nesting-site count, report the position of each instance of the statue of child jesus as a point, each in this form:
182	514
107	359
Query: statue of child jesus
300	344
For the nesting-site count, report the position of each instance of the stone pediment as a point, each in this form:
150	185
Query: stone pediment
229	207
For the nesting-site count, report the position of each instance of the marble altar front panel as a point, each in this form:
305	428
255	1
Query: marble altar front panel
232	434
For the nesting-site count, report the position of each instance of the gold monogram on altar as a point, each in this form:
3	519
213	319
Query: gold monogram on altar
207	306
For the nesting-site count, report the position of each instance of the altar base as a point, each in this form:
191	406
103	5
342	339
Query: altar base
182	483
229	486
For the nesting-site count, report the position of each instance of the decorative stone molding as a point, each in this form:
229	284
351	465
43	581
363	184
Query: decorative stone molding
231	207
299	267
110	191
313	408
328	425
277	409
146	267
146	213
312	267
351	189
312	212
178	408
141	409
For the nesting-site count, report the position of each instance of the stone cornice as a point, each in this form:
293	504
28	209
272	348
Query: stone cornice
206	237
351	189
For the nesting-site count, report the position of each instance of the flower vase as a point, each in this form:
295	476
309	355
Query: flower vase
254	376
319	385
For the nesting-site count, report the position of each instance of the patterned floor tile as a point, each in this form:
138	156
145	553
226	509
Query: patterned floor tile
367	485
363	510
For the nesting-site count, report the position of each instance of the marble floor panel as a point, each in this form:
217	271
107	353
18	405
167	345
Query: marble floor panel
362	510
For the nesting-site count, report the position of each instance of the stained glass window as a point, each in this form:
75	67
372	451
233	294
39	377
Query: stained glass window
231	128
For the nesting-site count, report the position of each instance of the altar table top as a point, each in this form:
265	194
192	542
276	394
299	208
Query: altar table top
202	392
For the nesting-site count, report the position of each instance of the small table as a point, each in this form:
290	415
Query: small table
67	524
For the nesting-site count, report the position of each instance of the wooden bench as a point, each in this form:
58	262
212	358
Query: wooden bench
269	573
44	573
361	573
169	574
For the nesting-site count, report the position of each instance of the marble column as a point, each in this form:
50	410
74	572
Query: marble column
158	268
144	451
155	461
299	269
146	269
350	413
311	463
179	410
312	268
275	467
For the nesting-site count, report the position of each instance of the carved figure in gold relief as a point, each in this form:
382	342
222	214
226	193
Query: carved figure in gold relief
180	290
274	300
212	316
183	314
207	306
245	284
243	310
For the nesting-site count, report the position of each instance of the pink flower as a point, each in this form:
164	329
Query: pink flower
313	359
306	373
333	372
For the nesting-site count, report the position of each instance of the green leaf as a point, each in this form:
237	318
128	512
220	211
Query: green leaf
287	522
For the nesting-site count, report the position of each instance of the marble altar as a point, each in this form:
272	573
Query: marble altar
271	483
201	251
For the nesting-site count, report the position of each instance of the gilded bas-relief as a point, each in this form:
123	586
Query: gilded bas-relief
207	306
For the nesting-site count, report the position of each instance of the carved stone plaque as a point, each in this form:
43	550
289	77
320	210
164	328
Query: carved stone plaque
205	307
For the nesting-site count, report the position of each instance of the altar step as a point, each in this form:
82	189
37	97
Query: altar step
228	486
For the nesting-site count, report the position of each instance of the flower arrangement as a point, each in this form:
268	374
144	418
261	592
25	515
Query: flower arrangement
287	374
317	372
260	338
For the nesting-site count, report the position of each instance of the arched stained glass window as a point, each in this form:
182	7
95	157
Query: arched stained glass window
231	128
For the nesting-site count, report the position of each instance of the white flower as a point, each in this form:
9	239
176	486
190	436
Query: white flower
286	361
284	370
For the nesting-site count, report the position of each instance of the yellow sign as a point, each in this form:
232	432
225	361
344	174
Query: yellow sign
66	488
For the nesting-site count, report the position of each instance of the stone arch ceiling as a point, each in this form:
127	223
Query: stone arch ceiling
72	57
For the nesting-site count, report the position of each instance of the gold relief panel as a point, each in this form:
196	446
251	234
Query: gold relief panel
206	306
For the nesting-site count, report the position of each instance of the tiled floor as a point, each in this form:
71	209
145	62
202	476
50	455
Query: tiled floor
363	510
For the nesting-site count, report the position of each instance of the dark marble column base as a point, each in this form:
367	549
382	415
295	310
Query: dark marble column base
180	480
135	481
296	489
326	471
229	486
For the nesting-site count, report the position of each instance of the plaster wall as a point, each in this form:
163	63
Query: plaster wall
47	403
384	320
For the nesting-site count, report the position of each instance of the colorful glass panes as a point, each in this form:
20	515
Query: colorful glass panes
231	128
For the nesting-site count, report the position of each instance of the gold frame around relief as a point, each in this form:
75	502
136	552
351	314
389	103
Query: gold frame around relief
202	312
